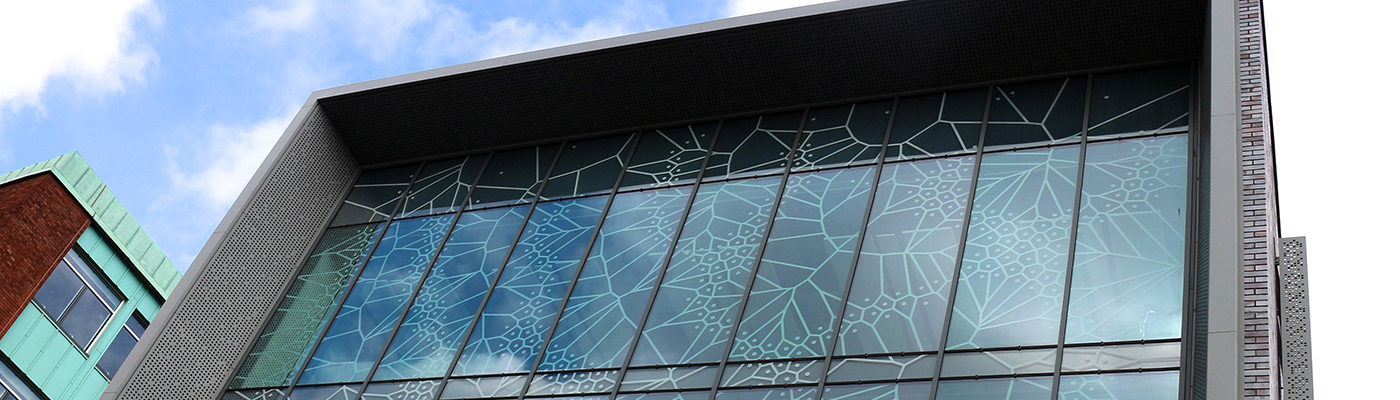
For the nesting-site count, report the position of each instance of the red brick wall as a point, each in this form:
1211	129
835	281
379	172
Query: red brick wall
39	222
1260	213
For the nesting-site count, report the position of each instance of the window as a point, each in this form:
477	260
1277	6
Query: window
11	387
121	346
77	299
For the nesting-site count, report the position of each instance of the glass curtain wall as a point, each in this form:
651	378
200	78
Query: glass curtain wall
1018	241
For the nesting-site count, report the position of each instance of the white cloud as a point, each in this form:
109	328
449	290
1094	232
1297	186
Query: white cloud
745	7
216	170
88	44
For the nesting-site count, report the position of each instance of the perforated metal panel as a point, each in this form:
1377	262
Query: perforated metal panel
1296	335
239	285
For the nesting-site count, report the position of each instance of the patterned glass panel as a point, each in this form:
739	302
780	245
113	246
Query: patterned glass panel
475	388
1036	112
573	382
882	391
375	195
1142	101
878	368
371	311
514	176
694	312
404	390
669	156
527	299
1121	357
328	392
1129	255
442	186
670	378
900	294
451	294
753	146
606	306
937	124
1135	386
792	393
792	308
589	167
306	308
773	373
254	394
996	389
704	395
843	135
1011	285
1002	362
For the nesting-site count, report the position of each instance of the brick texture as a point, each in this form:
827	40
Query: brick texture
1259	211
39	222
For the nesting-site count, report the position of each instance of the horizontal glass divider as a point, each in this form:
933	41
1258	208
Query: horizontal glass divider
489	375
999	376
778	360
1120	371
578	370
1140	134
1121	343
686	365
1003	348
770	386
875	381
895	354
703	389
1065	373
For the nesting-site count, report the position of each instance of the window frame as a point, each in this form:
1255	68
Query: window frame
65	261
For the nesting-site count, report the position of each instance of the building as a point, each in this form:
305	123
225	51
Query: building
855	200
79	282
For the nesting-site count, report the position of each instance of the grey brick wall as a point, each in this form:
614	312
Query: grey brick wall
1259	213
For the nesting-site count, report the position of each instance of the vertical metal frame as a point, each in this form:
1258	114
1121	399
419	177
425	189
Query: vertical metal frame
1073	241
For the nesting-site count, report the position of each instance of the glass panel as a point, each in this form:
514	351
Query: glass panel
526	301
670	378
406	390
371	312
375	195
883	391
1036	112
793	393
442	185
573	382
59	290
703	395
801	282
773	373
694	312
1138	386
1143	101
669	156
996	389
753	146
94	281
900	295
1132	356
254	394
513	176
588	167
306	307
937	124
1004	362
116	353
451	295
1129	254
328	392
844	135
85	318
606	305
1011	285
877	368
136	325
473	388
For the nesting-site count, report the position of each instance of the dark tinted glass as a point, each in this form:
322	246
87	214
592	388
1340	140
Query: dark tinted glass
937	124
753	146
588	167
137	326
513	176
375	195
94	280
442	185
843	135
669	156
116	353
1140	101
59	290
1036	112
85	318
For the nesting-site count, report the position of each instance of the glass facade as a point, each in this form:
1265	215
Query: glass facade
1015	241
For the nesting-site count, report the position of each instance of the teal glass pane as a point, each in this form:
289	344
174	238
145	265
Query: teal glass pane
1047	111
375	195
1129	259
793	306
669	156
792	393
995	389
442	186
451	294
843	135
588	167
513	177
606	306
1011	286
1142	101
936	124
306	308
695	309
881	391
1131	386
527	298
900	294
754	145
371	312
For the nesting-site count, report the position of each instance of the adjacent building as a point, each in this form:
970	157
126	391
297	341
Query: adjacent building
81	282
959	199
